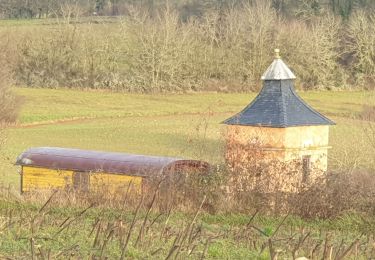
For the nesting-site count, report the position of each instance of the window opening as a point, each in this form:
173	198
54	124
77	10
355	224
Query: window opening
306	168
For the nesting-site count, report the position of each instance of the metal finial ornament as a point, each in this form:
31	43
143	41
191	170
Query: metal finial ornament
277	53
278	70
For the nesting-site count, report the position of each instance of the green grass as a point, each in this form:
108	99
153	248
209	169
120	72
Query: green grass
183	125
70	104
229	236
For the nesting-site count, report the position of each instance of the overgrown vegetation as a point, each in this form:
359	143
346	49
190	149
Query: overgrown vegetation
249	181
222	49
51	8
8	101
68	225
8	108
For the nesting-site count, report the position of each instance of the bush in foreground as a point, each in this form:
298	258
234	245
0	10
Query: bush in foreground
66	225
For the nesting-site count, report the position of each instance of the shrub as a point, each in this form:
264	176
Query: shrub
224	49
338	193
159	52
70	56
360	45
8	102
312	51
238	44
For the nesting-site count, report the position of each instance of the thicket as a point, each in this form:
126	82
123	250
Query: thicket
76	226
37	9
9	103
223	49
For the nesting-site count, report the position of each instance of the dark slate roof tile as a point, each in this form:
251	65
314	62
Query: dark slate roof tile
278	105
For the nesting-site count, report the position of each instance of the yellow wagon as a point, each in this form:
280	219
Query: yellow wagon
63	168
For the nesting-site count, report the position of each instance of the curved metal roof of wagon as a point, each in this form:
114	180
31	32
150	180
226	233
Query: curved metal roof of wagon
98	161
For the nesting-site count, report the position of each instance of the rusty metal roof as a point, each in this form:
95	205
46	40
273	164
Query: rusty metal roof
97	161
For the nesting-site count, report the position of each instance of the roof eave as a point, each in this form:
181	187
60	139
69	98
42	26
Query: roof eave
279	126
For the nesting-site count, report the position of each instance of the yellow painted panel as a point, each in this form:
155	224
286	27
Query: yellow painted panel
41	178
113	182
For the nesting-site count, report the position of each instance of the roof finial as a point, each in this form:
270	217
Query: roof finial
278	69
277	53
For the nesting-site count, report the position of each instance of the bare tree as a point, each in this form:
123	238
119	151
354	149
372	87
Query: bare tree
8	101
360	45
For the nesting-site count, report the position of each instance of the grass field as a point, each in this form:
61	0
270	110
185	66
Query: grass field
185	125
30	231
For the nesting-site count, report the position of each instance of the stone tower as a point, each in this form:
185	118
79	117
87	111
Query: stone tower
279	126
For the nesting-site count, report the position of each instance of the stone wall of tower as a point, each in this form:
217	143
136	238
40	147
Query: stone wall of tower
308	141
283	152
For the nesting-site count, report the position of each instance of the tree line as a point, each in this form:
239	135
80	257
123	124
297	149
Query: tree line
29	9
225	49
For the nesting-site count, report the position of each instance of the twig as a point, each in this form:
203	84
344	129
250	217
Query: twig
278	227
190	226
106	242
97	235
32	249
347	251
252	218
272	251
47	202
205	248
301	240
141	231
123	249
325	252
65	251
72	220
174	246
153	221
166	222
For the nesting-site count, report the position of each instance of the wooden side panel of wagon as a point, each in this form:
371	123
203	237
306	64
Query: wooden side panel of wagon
114	182
34	178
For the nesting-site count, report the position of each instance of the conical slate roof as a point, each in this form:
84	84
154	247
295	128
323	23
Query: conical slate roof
278	71
278	104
